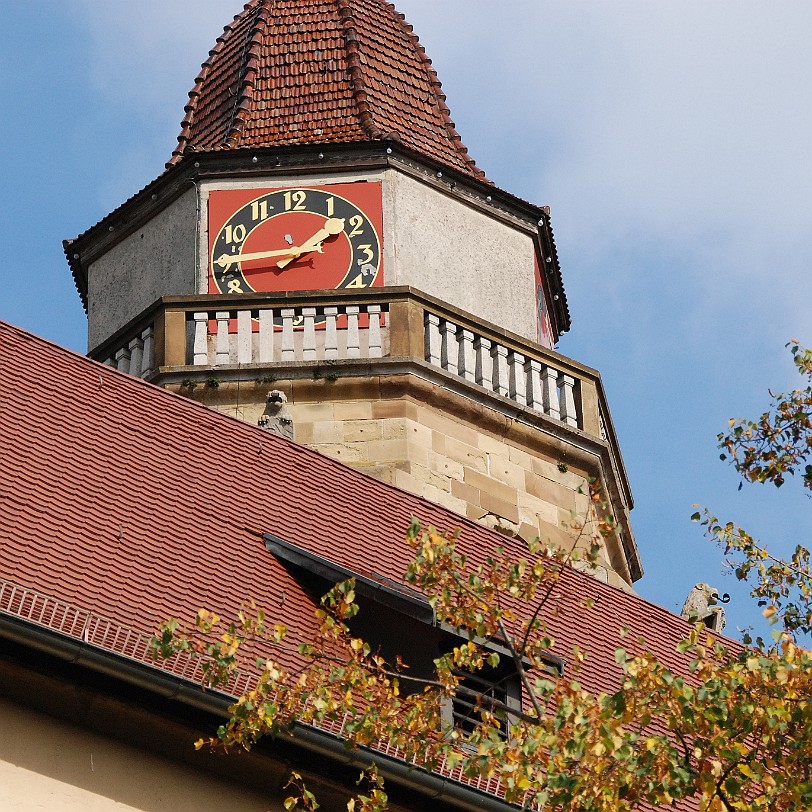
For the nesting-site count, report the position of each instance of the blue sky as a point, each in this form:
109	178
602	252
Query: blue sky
671	140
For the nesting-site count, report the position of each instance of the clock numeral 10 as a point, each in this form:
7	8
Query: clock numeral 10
235	233
259	210
295	201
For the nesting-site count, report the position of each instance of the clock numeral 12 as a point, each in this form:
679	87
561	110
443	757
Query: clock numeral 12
295	201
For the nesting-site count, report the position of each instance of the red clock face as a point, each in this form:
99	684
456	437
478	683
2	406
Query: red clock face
295	238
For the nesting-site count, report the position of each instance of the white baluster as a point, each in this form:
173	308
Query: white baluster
550	392
123	359
567	387
309	337
201	340
432	339
266	336
330	333
374	333
449	351
148	364
517	383
532	371
353	338
484	362
222	352
244	337
288	347
500	369
467	363
136	356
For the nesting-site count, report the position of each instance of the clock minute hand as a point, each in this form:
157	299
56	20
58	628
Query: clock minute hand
331	227
229	259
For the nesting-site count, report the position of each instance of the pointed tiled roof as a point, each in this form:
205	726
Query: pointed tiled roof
290	72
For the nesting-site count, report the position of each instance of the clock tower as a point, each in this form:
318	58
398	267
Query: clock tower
320	232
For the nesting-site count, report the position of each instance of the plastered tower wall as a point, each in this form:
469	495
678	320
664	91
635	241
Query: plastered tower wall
157	259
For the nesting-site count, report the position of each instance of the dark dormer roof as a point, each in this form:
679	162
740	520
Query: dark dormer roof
288	72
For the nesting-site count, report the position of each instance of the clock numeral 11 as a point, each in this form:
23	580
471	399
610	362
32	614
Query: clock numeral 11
259	210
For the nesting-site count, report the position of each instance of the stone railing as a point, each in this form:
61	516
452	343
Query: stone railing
194	334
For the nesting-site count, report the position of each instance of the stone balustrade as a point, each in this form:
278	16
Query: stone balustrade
197	333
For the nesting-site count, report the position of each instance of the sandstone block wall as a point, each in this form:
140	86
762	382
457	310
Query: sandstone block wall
429	453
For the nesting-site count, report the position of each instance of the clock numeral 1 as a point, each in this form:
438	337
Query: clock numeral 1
259	210
331	206
295	201
235	233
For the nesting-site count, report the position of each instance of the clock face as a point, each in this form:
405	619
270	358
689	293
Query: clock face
295	238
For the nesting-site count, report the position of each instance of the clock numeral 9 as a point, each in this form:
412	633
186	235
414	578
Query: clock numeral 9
356	223
295	201
235	233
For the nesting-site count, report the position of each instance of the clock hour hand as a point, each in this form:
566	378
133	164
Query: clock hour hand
229	259
331	227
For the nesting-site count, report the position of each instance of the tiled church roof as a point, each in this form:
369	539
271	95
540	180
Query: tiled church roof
290	72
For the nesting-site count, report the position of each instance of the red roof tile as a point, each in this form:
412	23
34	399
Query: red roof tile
133	503
320	72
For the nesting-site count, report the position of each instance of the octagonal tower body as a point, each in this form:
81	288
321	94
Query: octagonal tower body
320	230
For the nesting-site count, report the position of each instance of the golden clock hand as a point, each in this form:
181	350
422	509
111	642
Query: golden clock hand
331	227
229	259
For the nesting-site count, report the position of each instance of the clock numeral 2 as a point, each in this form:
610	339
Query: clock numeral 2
356	223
